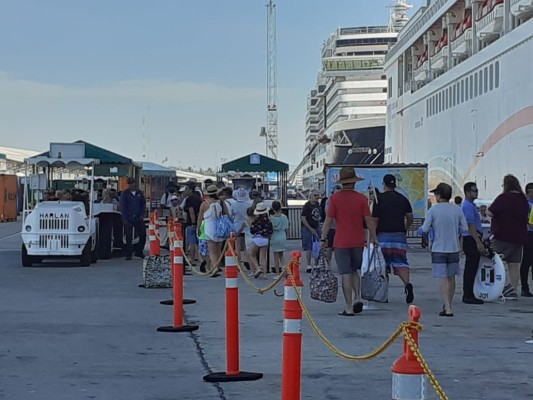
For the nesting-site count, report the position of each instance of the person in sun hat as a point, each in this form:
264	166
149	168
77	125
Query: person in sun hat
209	210
133	206
394	216
261	229
349	209
447	222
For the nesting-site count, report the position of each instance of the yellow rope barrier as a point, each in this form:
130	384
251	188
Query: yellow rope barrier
249	281
213	267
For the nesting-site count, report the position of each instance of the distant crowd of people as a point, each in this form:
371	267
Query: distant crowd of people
203	211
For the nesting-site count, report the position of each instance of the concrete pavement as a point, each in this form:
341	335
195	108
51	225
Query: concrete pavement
69	332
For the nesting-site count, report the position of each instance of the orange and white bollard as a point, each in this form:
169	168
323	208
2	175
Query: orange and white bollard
176	246
408	377
152	236
177	287
233	372
292	333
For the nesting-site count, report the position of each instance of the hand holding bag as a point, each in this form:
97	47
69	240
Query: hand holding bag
224	224
323	284
375	282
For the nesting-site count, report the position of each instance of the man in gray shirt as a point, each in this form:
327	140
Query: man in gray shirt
447	222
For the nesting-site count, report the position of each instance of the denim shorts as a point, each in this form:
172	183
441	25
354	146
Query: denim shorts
190	235
307	238
349	260
444	265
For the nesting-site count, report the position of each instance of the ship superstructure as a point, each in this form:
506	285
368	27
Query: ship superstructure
459	93
345	122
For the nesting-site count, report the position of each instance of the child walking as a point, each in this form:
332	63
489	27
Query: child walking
278	242
261	230
447	222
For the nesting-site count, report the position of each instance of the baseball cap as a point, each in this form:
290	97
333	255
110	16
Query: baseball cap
389	180
173	198
444	190
182	189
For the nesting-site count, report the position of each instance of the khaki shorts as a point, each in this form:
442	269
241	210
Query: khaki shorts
511	252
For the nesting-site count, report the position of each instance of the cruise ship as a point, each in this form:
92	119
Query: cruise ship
459	93
345	121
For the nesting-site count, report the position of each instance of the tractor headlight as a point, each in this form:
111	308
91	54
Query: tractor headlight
81	228
28	228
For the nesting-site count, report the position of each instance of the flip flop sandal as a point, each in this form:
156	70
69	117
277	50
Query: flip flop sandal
445	314
358	308
345	314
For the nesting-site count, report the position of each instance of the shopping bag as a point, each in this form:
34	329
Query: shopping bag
323	284
375	281
315	251
224	224
157	272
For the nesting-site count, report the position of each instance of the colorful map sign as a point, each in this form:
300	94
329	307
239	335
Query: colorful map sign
411	182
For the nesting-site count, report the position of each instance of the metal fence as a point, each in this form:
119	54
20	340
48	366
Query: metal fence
294	214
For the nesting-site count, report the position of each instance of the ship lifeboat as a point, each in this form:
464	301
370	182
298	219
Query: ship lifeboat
440	58
421	72
522	9
462	38
489	20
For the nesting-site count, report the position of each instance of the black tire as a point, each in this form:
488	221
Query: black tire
105	238
94	253
85	259
27	260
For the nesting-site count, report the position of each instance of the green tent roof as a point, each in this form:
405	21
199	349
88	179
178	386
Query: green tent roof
255	162
105	156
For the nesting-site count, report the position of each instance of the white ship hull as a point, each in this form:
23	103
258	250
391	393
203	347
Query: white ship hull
486	134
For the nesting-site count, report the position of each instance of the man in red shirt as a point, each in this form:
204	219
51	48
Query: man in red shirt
350	211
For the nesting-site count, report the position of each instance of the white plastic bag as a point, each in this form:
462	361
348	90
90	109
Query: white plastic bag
370	263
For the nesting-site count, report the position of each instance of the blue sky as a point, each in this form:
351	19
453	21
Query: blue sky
195	70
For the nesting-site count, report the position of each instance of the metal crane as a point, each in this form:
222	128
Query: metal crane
271	131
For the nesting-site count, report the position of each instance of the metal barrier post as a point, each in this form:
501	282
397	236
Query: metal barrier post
292	333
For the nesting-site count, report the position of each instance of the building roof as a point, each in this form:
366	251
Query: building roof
255	162
14	154
153	169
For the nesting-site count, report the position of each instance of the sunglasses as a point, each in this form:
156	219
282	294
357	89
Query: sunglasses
474	190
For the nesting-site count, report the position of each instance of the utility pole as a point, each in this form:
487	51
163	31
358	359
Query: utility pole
271	132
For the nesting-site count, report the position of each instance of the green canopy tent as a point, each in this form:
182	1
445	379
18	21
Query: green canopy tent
111	164
257	164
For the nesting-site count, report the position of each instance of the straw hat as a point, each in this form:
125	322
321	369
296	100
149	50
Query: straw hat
261	208
347	175
212	190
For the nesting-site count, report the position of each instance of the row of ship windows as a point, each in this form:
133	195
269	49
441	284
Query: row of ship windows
350	42
468	88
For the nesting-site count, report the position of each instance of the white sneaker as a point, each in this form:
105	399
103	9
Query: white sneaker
275	277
